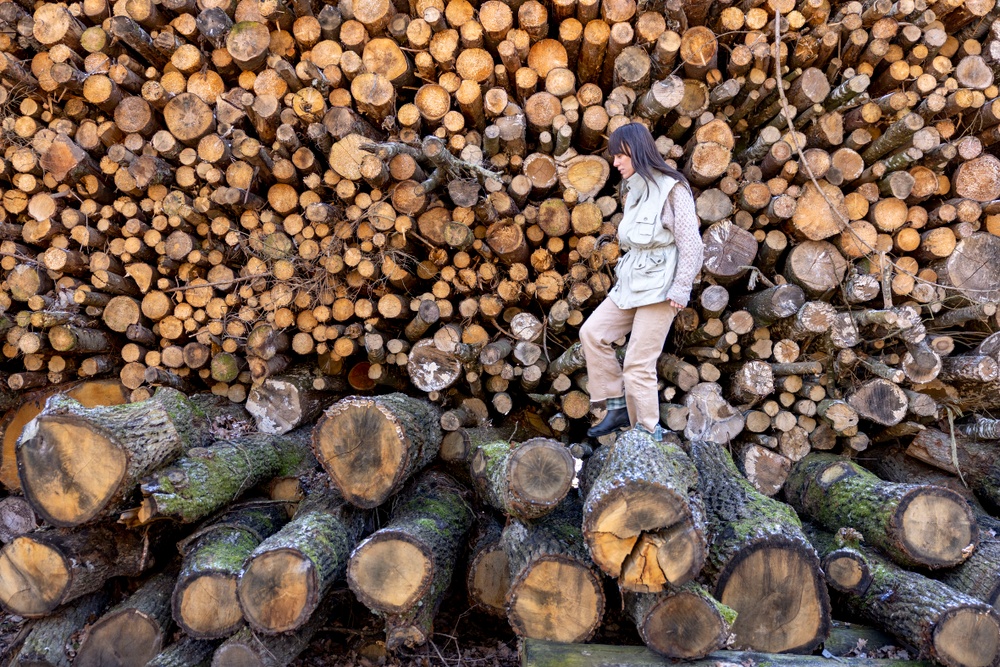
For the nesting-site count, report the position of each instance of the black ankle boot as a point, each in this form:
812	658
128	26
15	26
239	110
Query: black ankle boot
614	420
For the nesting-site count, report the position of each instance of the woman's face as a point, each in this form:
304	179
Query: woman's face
623	163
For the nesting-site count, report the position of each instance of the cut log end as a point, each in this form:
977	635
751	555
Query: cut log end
684	626
966	637
761	585
541	472
938	526
69	471
129	637
207	606
390	574
559	600
489	578
846	572
33	577
278	590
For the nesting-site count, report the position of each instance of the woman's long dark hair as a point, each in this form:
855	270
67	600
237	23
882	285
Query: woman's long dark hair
636	141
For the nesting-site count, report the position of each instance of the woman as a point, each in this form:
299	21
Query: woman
663	254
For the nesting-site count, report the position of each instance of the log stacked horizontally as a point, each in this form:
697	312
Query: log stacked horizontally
378	225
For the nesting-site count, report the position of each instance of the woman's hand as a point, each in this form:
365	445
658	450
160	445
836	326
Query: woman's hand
675	304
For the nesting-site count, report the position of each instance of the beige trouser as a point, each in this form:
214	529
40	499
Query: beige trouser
637	380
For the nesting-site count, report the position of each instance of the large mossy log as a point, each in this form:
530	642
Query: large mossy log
526	480
555	590
683	623
488	575
950	627
538	653
976	460
185	652
46	643
45	569
77	464
642	517
759	560
89	394
204	601
133	632
285	577
371	446
915	525
402	570
208	478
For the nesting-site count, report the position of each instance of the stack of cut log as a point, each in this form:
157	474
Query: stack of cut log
287	203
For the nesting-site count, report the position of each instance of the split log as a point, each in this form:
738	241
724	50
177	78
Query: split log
642	520
526	480
43	570
758	558
371	446
915	525
285	402
403	569
555	592
209	478
133	631
204	602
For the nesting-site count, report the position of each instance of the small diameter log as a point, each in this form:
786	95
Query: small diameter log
134	631
210	478
555	590
846	570
642	518
285	577
116	444
488	576
186	652
758	559
43	570
458	446
46	643
949	627
976	461
681	623
774	303
204	602
402	570
284	402
247	648
371	446
915	525
527	480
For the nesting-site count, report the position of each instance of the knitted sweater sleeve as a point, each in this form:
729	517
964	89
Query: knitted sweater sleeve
687	236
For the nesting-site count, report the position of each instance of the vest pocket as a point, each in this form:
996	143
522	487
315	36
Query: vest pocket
649	273
643	230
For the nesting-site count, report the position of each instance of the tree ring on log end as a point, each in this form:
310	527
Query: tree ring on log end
210	622
490	578
845	573
968	637
541	474
781	602
69	471
937	526
556	599
126	638
33	577
682	626
430	369
278	590
390	573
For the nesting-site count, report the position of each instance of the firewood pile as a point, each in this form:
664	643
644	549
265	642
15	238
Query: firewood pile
371	230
